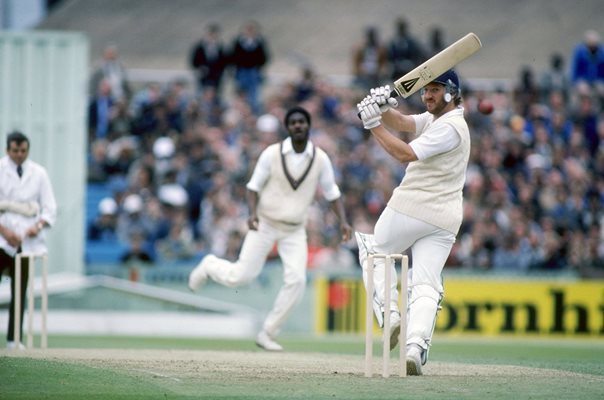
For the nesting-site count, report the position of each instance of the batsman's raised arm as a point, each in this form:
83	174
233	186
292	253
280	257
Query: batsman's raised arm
398	121
372	116
383	97
394	146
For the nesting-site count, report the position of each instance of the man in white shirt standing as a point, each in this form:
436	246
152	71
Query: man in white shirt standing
425	211
27	207
279	194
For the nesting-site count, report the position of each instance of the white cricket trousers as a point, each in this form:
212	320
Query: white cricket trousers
293	250
430	247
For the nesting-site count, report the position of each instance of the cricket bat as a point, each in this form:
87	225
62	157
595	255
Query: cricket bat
438	64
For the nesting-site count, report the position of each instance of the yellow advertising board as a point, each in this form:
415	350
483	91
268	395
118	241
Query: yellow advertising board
490	307
511	307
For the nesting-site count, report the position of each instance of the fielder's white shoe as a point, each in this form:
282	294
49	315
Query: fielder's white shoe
395	328
415	359
264	341
199	276
14	346
365	245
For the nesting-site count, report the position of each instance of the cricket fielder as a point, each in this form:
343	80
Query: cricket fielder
279	193
424	213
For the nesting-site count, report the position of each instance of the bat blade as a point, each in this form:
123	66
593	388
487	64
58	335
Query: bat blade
426	72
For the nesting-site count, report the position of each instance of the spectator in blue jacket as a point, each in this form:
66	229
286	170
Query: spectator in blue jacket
588	60
249	56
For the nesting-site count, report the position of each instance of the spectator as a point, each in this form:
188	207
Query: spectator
209	59
141	179
121	121
561	128
369	60
555	78
585	117
513	255
404	50
99	167
203	163
144	107
122	153
179	244
477	246
118	188
145	98
221	215
591	264
176	104
526	91
588	61
104	227
136	253
306	86
132	222
172	194
164	150
592	214
436	41
554	257
100	111
112	70
249	57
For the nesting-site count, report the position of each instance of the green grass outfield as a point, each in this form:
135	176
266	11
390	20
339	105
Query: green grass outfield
503	369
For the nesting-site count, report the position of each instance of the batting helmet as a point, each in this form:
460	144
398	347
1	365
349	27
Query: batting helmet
451	82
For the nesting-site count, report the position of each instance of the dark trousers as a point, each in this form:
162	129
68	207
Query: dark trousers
7	263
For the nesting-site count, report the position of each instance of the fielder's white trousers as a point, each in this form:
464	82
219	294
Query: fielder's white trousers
430	247
293	250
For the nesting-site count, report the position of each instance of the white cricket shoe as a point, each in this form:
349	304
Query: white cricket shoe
14	346
264	341
365	245
414	359
395	328
199	276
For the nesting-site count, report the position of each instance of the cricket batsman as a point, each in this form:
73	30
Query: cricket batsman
425	211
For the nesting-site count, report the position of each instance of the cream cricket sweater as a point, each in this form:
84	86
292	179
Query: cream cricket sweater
279	203
432	189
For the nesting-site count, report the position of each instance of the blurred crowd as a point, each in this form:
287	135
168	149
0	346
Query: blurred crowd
177	156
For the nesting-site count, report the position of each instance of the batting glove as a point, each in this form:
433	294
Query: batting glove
381	95
370	113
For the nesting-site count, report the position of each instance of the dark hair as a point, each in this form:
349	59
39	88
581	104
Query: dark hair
16	137
296	109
